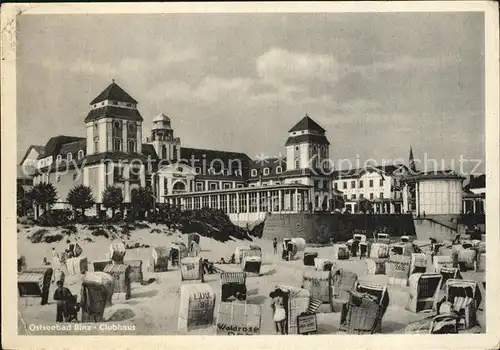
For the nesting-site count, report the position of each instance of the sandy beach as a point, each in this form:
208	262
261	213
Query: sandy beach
153	309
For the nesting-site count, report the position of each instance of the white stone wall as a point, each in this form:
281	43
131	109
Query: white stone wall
440	196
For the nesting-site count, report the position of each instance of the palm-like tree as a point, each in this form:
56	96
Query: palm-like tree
80	197
112	198
24	201
44	195
142	200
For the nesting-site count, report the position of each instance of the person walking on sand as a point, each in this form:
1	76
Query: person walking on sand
63	296
279	314
275	245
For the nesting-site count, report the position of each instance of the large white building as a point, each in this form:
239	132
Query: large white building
381	185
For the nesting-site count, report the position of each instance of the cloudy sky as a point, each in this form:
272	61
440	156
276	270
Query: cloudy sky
378	83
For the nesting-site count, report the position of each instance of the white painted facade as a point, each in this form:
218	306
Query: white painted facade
439	196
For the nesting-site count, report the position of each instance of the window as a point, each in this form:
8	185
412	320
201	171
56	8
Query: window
400	194
254	172
297	163
117	145
239	186
58	158
225	172
96	145
223	202
131	146
277	183
80	154
361	196
237	172
316	184
279	170
353	184
371	183
199	186
213	186
381	195
345	185
381	182
360	183
69	157
213	202
296	148
253	202
211	171
336	186
197	170
118	125
227	186
353	196
371	196
165	186
266	171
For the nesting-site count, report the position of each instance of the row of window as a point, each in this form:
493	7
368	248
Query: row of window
200	186
372	196
353	184
117	145
69	156
266	171
231	203
114	103
212	171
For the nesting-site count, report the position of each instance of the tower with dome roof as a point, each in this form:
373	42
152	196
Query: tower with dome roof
162	138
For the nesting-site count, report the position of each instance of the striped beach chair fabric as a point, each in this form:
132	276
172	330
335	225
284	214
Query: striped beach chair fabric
314	304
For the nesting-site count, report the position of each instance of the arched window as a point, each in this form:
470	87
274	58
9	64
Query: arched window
266	171
279	170
131	146
69	157
80	154
58	159
163	154
297	163
254	172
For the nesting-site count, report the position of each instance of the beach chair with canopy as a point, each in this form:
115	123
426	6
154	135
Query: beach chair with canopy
424	292
375	292
465	298
382	238
178	251
233	284
96	293
33	285
309	258
296	302
343	282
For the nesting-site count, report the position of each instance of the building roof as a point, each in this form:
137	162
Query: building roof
38	149
433	175
131	114
307	123
476	182
384	169
161	118
307	138
149	151
54	145
113	92
73	147
271	163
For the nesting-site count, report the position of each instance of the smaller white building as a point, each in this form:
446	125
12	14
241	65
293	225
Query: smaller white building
436	193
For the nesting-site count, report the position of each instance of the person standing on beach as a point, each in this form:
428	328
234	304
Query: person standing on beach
279	314
275	245
63	296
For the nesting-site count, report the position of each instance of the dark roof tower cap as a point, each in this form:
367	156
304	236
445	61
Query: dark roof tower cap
306	123
114	92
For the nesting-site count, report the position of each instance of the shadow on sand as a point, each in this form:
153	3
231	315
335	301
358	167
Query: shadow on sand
148	294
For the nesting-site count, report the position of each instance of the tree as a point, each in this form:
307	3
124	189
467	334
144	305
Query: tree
80	197
24	201
142	200
365	206
44	194
112	198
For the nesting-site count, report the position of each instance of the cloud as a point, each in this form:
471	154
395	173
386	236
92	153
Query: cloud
282	66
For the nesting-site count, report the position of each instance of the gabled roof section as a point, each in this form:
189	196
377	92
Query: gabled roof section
307	123
114	112
38	149
55	144
74	147
114	92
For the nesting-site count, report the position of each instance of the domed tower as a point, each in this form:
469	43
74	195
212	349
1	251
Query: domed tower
162	138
